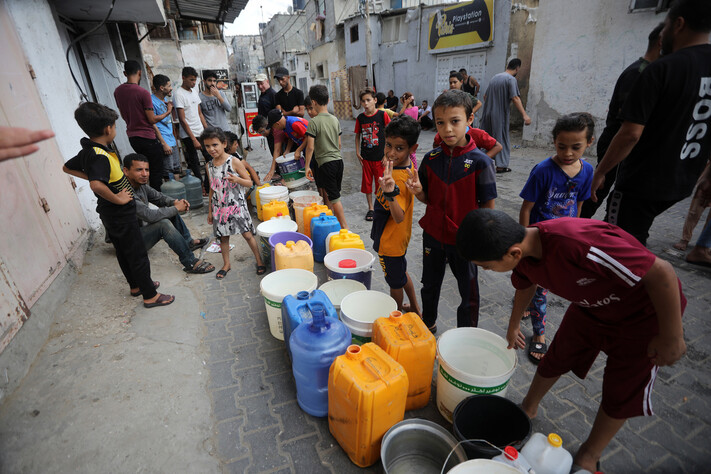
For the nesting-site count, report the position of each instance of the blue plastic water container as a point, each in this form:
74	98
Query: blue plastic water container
321	226
294	311
315	345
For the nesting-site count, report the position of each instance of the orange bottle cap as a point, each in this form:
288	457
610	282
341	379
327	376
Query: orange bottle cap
396	314
347	263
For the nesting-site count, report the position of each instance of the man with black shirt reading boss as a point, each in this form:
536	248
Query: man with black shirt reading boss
665	135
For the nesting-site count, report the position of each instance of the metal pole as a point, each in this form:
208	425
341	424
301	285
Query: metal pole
368	53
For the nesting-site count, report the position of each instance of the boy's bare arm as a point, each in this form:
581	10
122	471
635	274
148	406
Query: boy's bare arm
487	204
100	189
494	150
300	149
662	285
522	299
252	174
184	124
289	143
307	156
166	148
202	118
78	174
524	215
357	147
580	208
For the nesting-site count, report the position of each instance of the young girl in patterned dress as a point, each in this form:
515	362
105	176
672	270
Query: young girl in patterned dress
228	211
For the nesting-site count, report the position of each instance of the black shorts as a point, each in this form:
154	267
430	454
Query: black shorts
330	175
395	270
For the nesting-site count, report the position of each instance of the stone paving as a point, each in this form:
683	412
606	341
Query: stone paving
260	428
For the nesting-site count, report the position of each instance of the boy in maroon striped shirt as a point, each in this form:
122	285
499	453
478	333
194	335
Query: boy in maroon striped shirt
625	302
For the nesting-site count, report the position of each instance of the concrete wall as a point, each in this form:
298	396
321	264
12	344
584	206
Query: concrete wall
284	33
580	49
412	56
44	48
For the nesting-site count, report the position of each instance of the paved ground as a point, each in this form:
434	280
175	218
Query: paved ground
255	424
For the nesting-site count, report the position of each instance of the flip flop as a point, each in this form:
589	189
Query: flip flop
156	284
503	170
369	215
536	348
201	243
202	267
163	300
221	274
261	269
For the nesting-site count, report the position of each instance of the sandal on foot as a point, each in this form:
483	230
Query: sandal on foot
156	284
433	329
200	266
369	215
261	269
201	243
536	348
503	170
221	274
526	315
163	300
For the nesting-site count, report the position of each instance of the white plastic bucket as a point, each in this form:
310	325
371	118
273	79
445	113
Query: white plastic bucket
360	309
276	286
272	193
483	466
336	290
269	228
362	271
471	361
312	194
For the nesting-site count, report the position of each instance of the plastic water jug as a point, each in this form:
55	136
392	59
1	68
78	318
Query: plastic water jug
257	203
312	211
274	209
547	455
294	255
406	338
301	203
367	392
513	458
295	310
343	239
174	189
321	227
193	189
314	345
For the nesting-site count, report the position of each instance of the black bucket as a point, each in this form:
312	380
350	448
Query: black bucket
495	419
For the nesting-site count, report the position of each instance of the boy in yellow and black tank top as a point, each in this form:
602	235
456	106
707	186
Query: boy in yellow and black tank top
98	164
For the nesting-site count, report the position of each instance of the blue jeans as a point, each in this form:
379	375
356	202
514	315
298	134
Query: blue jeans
705	237
537	310
176	235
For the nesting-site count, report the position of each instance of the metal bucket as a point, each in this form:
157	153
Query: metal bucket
419	446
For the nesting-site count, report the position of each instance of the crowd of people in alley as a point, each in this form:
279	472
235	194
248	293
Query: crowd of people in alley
653	152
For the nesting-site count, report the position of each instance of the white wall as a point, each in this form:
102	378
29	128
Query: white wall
580	49
44	49
204	54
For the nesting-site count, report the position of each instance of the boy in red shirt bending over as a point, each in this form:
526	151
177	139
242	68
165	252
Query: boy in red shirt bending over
625	302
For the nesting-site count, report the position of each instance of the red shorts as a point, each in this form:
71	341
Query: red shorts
629	373
372	171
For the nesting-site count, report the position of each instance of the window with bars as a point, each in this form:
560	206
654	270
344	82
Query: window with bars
354	33
649	5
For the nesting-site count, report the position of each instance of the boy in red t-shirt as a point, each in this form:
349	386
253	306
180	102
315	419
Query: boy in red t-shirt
625	302
370	145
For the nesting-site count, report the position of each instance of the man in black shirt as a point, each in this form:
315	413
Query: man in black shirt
391	101
267	102
289	99
614	114
664	139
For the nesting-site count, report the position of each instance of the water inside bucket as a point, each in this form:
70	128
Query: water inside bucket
478	360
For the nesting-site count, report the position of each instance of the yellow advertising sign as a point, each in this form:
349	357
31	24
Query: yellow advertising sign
461	26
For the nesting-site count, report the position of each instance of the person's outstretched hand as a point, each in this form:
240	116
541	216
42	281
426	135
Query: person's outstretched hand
597	182
413	182
515	337
16	142
387	183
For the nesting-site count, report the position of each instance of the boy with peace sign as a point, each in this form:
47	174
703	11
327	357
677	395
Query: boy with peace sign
392	220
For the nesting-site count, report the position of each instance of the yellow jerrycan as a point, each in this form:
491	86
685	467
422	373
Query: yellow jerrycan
273	209
258	203
343	239
314	210
407	340
367	392
294	255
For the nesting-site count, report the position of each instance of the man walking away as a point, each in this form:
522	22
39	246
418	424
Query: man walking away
502	90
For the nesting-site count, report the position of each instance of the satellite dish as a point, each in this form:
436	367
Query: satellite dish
290	10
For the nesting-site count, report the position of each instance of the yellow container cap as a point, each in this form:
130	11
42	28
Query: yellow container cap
555	440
